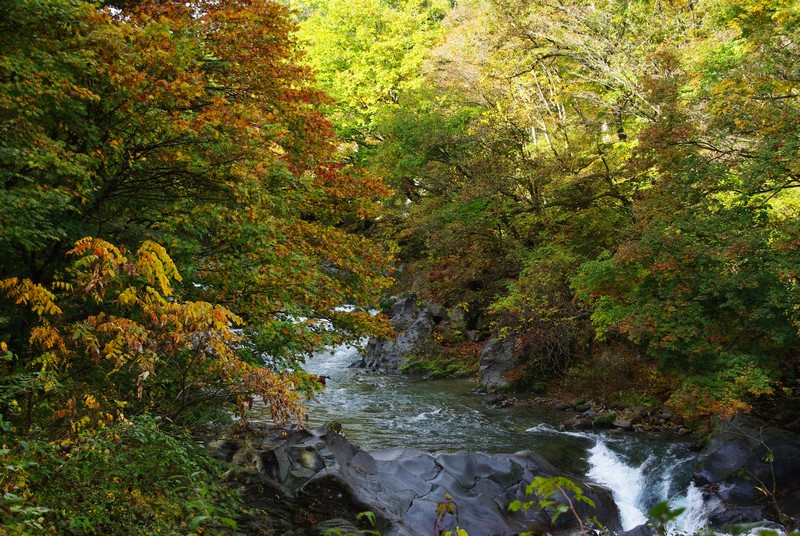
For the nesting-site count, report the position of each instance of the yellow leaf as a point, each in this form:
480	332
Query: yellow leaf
127	297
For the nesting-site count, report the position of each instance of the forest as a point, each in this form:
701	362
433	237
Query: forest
200	195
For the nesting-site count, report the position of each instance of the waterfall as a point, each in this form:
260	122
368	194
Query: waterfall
637	487
625	482
695	516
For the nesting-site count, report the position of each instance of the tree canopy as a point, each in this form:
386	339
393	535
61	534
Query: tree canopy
613	182
178	233
197	195
193	126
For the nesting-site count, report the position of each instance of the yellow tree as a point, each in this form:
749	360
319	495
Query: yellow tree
112	340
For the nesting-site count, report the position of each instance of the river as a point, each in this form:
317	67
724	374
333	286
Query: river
379	411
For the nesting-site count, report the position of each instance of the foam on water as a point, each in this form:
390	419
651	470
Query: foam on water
695	516
626	482
384	410
425	415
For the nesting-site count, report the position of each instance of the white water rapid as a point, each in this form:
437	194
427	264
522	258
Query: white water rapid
626	482
642	472
637	487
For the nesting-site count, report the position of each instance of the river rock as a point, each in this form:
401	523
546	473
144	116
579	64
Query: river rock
625	424
744	458
413	324
326	478
498	358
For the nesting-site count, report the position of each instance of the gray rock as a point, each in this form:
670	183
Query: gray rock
578	423
438	313
414	325
458	314
365	463
497	359
330	478
724	517
403	310
743	458
625	424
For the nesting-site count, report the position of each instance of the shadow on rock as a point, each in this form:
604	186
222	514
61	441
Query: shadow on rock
309	481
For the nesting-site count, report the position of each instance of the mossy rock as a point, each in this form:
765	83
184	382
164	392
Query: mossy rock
605	419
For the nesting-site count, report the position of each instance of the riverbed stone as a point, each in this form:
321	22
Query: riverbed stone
578	423
329	476
739	462
365	463
461	466
623	423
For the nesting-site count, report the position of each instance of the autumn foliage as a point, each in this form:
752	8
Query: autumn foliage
195	127
189	142
613	182
127	345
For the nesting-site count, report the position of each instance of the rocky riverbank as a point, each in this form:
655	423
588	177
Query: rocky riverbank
310	481
590	415
746	470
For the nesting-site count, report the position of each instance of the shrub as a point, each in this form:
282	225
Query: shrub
133	477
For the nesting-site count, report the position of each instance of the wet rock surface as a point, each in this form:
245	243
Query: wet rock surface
752	472
310	480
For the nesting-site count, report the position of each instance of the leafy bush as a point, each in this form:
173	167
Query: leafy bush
112	339
134	477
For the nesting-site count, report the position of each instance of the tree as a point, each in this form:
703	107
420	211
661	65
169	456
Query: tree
120	343
195	126
190	142
707	284
628	164
367	55
515	159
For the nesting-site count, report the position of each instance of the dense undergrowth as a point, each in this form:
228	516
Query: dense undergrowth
134	477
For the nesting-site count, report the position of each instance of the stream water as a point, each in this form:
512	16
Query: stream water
379	411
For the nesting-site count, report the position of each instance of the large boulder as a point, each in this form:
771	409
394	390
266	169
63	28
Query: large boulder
413	323
498	358
752	471
328	478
